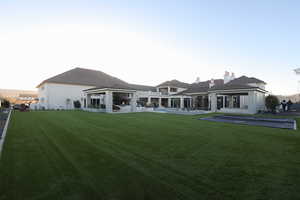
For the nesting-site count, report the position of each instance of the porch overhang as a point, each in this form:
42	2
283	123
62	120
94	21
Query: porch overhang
197	93
100	90
238	91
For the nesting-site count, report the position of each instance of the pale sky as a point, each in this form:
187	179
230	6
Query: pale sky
148	42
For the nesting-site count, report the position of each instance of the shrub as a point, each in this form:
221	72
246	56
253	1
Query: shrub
77	104
272	102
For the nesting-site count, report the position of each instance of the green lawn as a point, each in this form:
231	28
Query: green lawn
80	155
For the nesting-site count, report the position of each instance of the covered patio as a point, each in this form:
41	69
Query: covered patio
176	101
244	101
110	100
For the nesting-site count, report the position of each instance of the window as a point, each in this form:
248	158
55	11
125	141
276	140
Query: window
164	91
236	101
173	89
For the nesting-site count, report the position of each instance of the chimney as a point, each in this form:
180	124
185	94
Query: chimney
197	80
232	76
227	77
211	83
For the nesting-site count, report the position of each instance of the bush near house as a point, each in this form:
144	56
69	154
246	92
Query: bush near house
77	104
272	102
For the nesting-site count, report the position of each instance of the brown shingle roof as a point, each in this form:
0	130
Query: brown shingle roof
231	87
143	87
174	83
201	87
243	80
97	79
81	76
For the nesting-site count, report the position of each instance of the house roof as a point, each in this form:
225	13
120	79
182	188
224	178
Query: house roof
174	83
245	80
142	87
81	76
201	87
123	87
89	77
230	87
206	83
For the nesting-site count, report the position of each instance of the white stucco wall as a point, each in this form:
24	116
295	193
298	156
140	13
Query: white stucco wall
43	96
244	102
55	95
256	101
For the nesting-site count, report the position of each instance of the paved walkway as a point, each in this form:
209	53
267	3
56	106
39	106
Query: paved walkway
255	121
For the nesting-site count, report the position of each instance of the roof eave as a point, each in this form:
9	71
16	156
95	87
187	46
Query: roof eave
108	89
240	89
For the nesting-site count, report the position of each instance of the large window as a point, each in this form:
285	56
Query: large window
175	103
201	102
219	102
164	91
173	89
236	102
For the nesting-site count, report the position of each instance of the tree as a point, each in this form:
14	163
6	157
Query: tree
5	104
272	102
77	104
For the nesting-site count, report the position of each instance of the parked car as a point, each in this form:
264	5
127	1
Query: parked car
17	107
24	107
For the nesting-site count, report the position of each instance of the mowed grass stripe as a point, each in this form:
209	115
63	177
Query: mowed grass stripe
134	160
80	155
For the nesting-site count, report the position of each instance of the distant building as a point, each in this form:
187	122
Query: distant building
98	90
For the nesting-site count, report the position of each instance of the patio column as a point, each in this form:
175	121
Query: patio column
169	102
108	101
133	102
230	101
159	102
252	102
213	99
182	103
149	100
88	100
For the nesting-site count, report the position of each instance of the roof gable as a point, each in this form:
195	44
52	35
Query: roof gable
81	76
174	83
94	78
243	80
202	87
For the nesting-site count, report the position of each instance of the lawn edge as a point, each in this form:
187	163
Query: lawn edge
2	139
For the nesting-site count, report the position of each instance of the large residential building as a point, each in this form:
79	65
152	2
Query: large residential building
98	91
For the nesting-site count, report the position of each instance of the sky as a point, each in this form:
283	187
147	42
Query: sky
149	42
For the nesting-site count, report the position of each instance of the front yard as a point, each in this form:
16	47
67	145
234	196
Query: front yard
81	155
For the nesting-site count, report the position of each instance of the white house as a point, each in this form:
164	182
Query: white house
98	91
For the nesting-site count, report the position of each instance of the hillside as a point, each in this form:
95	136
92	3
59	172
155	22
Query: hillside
294	98
5	93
